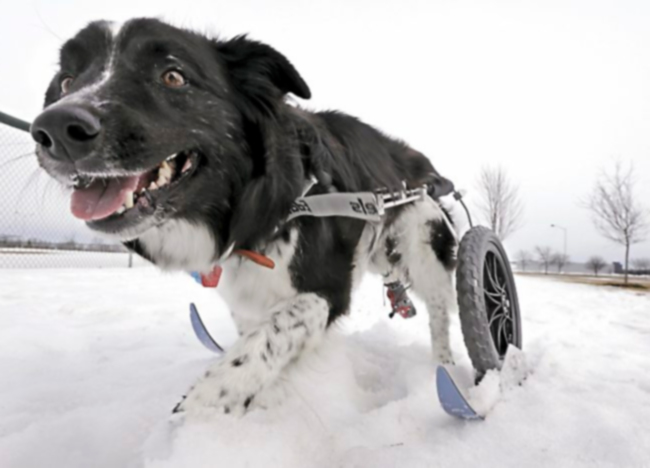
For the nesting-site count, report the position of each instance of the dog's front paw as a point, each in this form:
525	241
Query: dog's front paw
227	388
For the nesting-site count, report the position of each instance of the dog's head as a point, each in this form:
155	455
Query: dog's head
148	123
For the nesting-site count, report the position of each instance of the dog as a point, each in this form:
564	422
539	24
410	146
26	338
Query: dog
187	149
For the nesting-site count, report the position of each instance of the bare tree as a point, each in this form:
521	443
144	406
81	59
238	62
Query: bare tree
524	258
595	264
545	256
500	204
641	264
616	211
559	260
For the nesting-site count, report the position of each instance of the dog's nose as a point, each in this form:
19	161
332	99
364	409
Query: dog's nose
66	131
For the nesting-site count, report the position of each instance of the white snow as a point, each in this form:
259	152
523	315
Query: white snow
92	362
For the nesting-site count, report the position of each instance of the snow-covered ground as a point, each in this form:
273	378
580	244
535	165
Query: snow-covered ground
92	361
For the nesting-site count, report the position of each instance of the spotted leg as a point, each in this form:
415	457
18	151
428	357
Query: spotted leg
421	247
258	357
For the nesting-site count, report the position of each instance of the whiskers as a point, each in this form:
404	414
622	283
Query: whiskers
21	157
26	194
31	192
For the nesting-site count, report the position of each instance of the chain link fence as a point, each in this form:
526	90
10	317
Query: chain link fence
37	229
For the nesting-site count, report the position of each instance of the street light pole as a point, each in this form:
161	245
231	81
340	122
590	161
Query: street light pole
564	230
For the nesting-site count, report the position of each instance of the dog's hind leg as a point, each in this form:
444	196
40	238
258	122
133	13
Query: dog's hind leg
258	357
427	258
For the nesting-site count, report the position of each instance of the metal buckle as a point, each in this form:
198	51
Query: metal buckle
387	199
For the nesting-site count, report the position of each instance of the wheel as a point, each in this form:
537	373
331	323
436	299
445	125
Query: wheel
487	299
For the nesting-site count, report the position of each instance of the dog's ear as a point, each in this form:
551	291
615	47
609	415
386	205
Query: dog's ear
260	72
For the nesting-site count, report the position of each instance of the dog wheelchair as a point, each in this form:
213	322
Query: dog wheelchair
486	291
488	305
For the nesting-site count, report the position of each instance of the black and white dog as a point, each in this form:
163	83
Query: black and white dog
184	148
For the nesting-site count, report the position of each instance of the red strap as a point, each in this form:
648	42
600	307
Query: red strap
211	280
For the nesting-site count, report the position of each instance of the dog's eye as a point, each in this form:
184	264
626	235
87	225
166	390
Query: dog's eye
65	84
173	79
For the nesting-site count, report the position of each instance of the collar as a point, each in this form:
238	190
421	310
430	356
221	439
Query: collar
211	279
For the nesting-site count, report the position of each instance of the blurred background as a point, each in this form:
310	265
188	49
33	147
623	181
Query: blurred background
548	95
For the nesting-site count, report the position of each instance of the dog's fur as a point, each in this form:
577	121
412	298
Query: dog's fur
256	154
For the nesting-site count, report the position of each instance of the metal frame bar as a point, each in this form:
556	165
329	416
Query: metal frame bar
391	200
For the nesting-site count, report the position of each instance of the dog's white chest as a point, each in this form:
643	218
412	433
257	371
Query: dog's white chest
252	291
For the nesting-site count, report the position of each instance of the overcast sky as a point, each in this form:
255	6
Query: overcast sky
552	90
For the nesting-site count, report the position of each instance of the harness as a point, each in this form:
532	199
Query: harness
366	206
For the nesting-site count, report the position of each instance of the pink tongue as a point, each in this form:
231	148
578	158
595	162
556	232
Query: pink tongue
102	198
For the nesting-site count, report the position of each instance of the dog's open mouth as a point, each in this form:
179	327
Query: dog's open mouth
106	198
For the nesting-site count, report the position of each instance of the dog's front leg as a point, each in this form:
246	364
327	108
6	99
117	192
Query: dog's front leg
258	357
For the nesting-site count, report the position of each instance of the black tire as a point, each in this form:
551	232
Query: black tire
487	299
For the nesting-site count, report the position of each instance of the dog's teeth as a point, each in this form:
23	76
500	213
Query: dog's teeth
165	170
187	166
120	210
128	202
153	186
164	174
172	157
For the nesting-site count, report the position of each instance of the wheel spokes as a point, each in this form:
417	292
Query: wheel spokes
498	304
493	278
496	298
507	339
500	286
496	316
502	332
498	338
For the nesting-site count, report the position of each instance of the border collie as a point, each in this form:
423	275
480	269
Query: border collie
184	148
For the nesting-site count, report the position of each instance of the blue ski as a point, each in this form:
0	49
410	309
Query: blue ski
202	333
451	398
